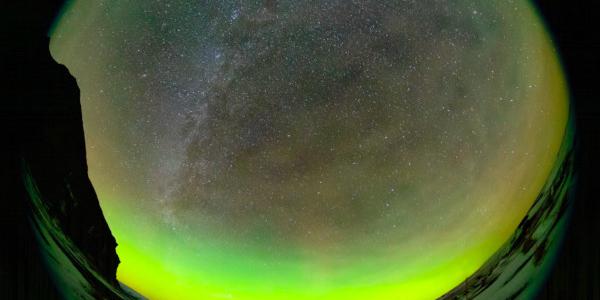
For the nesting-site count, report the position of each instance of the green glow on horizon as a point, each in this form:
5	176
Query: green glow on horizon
164	263
230	271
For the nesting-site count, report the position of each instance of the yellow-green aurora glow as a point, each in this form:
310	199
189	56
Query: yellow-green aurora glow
293	150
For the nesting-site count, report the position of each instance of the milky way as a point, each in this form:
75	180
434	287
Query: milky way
302	149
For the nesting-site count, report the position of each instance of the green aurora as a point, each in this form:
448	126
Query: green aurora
312	150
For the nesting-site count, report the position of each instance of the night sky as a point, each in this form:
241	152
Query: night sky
312	149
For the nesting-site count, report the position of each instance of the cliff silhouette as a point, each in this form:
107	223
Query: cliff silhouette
43	134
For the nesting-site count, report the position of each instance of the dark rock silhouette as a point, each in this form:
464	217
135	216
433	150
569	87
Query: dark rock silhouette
42	118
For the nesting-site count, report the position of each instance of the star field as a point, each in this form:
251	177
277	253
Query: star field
329	149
